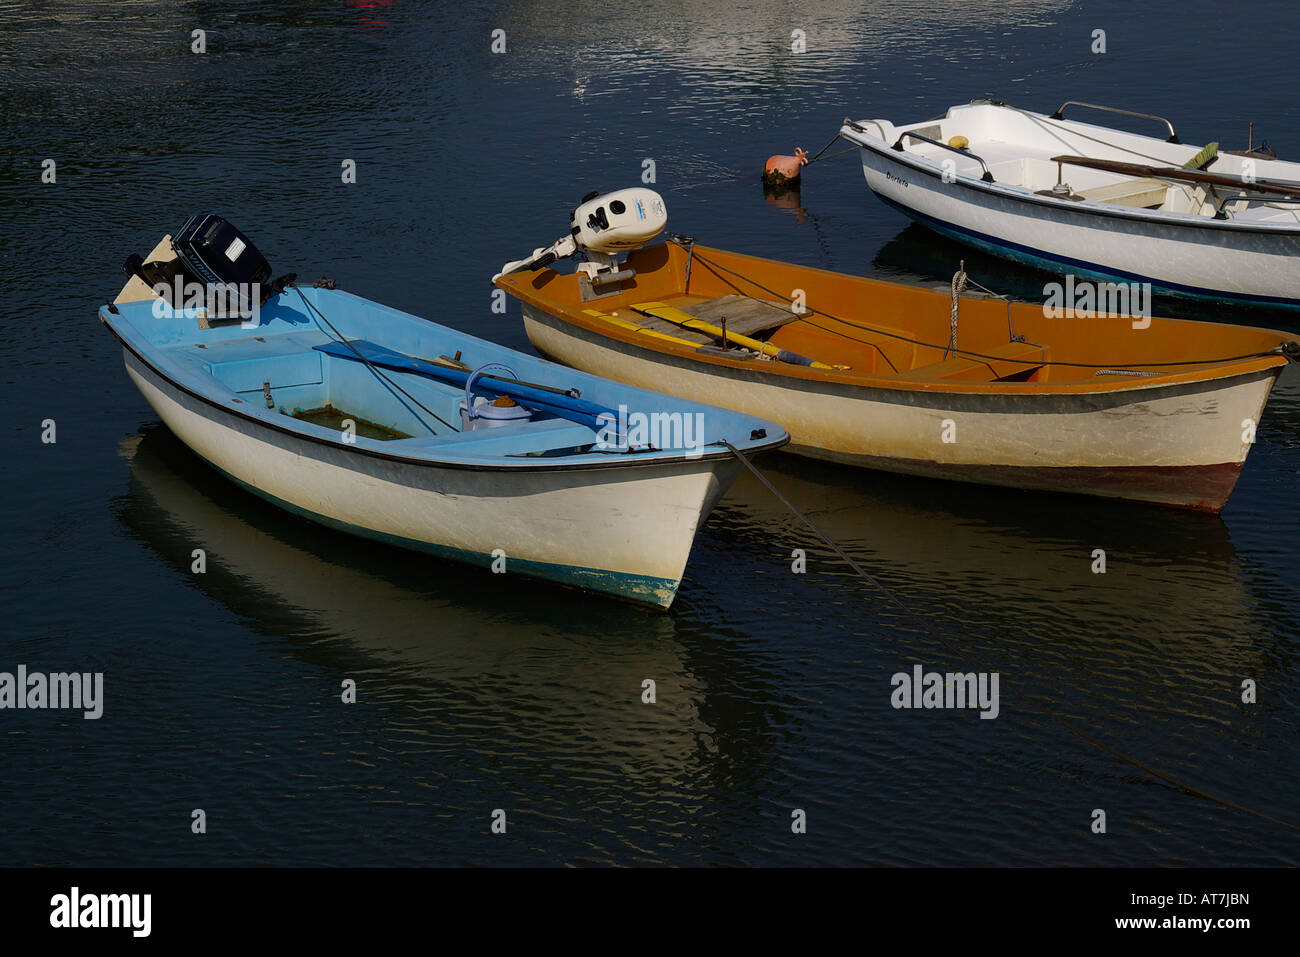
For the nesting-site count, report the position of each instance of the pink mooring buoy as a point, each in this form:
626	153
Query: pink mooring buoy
784	170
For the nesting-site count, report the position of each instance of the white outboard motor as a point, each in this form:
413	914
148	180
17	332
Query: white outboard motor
603	226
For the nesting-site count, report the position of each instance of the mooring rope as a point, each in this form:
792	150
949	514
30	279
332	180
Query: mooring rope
1006	299
828	146
930	628
830	543
958	287
833	155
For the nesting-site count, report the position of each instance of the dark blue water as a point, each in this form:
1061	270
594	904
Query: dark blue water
223	689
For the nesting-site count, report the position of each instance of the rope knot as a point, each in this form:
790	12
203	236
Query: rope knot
958	287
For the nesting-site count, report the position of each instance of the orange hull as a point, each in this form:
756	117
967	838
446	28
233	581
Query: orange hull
1165	413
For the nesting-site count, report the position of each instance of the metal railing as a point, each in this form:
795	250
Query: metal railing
1060	115
859	128
987	177
1222	213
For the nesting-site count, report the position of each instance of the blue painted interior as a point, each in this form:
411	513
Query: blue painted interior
229	364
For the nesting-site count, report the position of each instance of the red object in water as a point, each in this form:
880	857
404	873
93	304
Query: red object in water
784	170
369	23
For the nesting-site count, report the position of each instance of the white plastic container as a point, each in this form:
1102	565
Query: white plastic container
492	414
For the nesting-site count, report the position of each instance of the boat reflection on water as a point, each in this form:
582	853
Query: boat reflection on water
481	682
917	255
548	663
992	562
538	691
1007	577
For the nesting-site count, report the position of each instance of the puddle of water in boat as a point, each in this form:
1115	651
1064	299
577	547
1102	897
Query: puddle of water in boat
332	418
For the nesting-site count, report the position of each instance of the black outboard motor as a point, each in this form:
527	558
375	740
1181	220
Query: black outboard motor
213	252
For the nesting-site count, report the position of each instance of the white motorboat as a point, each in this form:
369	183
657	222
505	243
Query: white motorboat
1092	200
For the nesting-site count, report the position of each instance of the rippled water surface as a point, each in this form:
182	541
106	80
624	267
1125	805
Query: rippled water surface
477	693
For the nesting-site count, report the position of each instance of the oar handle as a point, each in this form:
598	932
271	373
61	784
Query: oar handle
1170	172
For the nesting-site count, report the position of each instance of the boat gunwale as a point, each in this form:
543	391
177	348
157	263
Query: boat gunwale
1211	373
1022	194
530	464
965	402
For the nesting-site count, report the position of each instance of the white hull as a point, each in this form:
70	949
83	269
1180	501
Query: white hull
1252	256
627	531
1180	445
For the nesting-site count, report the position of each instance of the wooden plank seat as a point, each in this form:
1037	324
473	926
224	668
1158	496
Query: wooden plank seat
745	315
1146	193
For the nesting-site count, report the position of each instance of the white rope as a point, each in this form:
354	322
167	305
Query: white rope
958	287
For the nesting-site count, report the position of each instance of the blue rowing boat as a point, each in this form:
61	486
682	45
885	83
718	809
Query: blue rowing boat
380	423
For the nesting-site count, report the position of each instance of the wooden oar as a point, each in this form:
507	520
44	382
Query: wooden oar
1172	172
642	330
448	362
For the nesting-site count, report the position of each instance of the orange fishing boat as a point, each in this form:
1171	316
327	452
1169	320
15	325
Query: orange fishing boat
926	381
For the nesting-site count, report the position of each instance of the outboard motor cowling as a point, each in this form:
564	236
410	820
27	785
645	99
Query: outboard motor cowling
601	228
212	250
615	222
215	263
